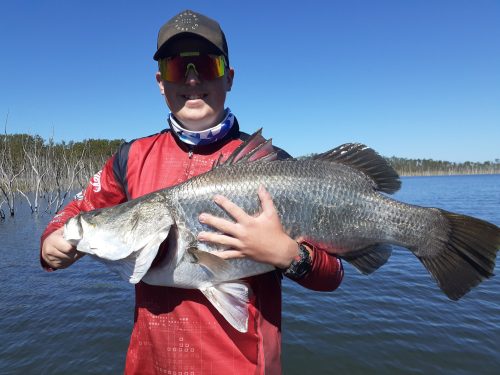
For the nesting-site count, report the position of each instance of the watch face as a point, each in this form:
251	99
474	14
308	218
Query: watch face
300	265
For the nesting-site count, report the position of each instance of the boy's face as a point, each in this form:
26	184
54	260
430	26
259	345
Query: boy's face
198	104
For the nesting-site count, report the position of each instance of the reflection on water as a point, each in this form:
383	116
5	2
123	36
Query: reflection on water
395	321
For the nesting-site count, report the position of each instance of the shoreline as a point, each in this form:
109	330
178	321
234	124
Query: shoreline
432	174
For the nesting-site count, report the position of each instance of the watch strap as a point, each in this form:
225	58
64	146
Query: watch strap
300	265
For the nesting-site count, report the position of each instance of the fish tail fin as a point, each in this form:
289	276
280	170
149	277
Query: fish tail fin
231	300
465	257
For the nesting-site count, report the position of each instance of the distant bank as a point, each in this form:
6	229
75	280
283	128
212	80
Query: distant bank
429	167
442	173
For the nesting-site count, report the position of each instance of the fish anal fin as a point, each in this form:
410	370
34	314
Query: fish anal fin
366	160
231	301
369	259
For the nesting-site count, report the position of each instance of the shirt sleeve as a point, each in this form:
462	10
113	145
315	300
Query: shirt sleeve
326	272
103	190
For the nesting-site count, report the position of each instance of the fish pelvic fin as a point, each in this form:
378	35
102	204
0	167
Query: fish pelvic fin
231	301
366	160
466	257
256	147
369	259
213	264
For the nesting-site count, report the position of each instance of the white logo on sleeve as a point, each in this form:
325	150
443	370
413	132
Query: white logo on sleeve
79	196
96	182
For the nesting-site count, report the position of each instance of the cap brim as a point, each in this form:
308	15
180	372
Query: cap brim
172	47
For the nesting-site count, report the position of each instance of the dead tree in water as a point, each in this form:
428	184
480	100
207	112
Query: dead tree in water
2	213
74	164
35	158
9	171
67	163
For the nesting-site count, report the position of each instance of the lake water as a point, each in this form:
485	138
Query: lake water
396	321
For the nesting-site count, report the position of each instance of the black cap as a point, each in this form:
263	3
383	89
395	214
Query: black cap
188	23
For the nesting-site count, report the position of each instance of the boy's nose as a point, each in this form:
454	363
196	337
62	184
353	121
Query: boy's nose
192	75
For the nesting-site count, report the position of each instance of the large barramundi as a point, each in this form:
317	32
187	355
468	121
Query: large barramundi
333	200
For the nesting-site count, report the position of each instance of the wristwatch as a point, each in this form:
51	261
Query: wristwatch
300	265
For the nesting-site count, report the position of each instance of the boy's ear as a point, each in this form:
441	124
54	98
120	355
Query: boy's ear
160	83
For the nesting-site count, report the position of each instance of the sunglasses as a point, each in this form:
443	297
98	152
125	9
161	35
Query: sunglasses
207	67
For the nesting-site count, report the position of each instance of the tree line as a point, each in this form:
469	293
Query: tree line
44	173
429	167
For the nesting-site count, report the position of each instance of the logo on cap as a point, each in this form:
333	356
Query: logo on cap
186	21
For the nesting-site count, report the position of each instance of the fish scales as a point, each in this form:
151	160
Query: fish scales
312	198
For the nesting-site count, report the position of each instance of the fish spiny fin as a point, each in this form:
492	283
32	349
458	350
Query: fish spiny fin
231	301
370	258
463	259
217	161
254	148
366	160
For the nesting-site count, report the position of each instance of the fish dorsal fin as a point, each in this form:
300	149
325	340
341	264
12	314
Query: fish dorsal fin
256	147
366	160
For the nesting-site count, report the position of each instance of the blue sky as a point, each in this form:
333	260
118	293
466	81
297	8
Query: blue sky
415	79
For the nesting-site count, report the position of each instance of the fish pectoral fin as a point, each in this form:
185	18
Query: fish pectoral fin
369	259
217	266
231	301
123	267
144	259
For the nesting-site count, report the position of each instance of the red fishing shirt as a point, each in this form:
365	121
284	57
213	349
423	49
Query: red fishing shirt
178	331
